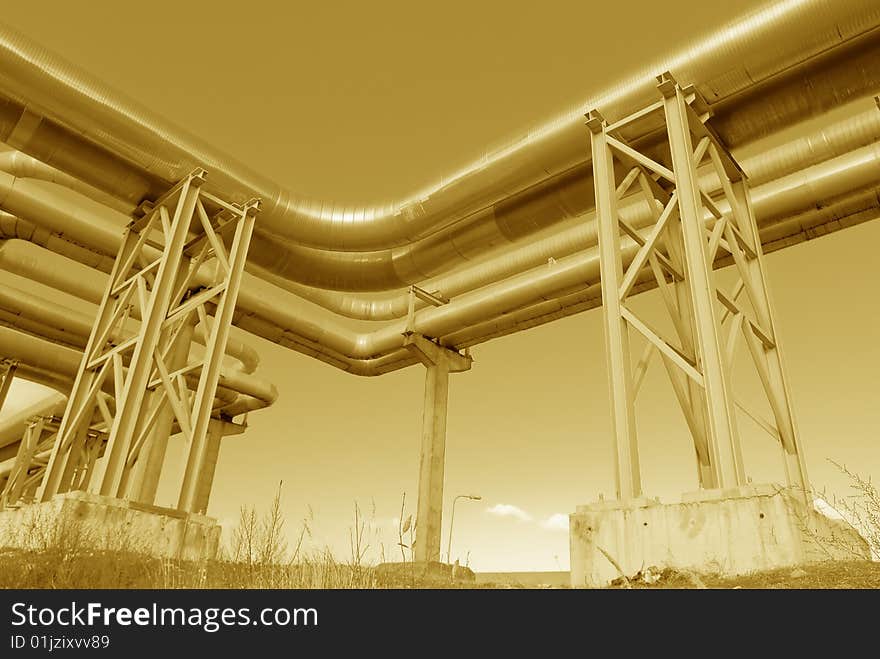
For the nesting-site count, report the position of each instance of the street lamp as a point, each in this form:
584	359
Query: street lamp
472	497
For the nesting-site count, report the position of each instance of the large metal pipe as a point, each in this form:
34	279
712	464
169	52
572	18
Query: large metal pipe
11	427
12	226
845	129
787	230
519	190
524	301
791	194
64	362
73	328
828	140
51	106
24	166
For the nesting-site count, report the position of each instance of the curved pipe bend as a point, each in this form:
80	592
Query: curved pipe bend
133	154
263	307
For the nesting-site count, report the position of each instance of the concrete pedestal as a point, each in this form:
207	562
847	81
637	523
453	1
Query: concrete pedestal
732	531
107	523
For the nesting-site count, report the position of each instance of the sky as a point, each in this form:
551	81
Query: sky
367	101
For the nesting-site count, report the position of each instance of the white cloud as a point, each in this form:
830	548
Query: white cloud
507	510
556	522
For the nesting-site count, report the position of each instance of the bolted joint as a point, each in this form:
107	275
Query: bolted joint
595	121
667	84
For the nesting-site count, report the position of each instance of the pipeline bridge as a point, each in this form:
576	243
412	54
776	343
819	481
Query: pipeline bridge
752	138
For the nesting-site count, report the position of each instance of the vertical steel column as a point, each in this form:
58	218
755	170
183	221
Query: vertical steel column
18	476
128	414
215	348
8	375
439	363
721	420
779	394
148	467
86	386
695	392
617	349
158	274
73	464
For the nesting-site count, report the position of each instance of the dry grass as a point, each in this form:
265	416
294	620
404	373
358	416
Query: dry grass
861	507
63	555
50	554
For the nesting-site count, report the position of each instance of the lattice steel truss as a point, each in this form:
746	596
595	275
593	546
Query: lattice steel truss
180	262
31	459
691	232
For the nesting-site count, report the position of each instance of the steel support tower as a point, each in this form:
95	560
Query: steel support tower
181	262
691	234
30	464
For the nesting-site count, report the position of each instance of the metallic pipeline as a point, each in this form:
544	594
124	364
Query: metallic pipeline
95	230
11	427
64	362
100	229
849	210
33	314
263	312
810	187
826	141
470	239
79	220
307	329
810	224
46	378
68	119
12	227
33	262
22	165
791	194
831	138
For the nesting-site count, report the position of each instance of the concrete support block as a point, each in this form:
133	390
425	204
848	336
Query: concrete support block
724	531
107	523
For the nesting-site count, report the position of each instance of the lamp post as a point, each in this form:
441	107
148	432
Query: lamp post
472	497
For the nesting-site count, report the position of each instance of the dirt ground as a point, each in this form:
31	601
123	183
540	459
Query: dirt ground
828	575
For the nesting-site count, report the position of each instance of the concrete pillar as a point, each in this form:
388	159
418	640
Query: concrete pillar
439	363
